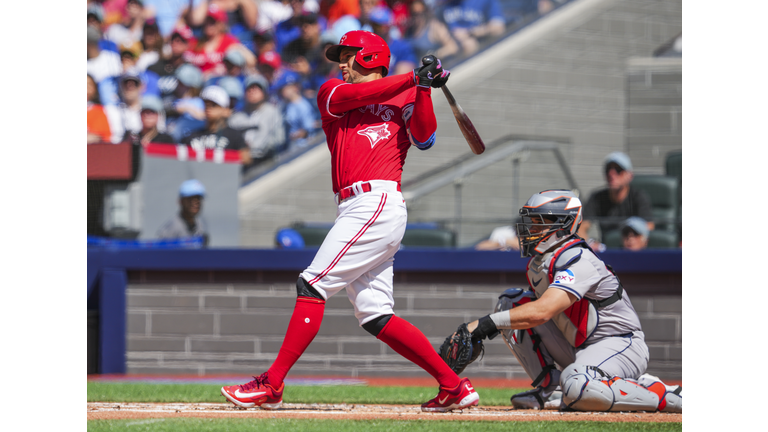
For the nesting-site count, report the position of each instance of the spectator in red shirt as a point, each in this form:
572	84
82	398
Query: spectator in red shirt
209	53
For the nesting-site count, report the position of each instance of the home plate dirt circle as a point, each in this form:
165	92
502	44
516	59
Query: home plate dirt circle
115	411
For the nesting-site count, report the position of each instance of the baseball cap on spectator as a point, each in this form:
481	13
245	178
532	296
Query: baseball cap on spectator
96	11
189	75
636	224
619	159
232	86
381	15
216	95
308	18
93	35
328	37
151	25
288	238
191	188
271	59
217	13
184	32
235	57
133	49
286	78
257	80
152	103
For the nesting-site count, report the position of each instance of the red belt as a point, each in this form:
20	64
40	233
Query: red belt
350	191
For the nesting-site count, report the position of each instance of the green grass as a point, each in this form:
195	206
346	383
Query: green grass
147	392
290	425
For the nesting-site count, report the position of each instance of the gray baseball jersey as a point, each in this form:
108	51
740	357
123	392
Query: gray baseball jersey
578	271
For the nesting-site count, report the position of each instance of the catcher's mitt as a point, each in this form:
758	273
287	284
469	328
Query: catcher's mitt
460	349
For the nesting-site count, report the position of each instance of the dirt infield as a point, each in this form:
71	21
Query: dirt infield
114	411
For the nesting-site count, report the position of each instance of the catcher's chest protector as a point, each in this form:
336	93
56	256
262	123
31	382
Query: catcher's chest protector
579	321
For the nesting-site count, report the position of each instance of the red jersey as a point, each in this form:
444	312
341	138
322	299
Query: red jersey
369	141
207	61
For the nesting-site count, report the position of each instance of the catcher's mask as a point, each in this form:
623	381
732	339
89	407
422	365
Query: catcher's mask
548	218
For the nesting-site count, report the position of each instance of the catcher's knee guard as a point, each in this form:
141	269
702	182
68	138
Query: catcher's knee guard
587	388
540	349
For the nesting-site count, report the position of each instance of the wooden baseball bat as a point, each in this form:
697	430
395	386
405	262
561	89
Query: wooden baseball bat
465	124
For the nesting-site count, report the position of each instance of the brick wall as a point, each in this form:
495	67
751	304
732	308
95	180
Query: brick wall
237	328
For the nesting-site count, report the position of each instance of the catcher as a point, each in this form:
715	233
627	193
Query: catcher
575	330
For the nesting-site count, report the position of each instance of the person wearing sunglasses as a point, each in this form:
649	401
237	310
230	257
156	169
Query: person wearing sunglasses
608	207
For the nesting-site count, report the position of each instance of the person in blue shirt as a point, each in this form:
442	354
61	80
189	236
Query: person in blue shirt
298	113
403	58
471	21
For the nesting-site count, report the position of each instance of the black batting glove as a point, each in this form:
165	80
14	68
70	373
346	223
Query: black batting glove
431	68
441	79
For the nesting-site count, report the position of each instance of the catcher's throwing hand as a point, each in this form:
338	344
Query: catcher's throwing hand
460	349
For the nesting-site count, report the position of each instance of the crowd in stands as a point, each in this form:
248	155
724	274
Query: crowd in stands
157	69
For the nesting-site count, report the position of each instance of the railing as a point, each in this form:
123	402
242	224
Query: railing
458	171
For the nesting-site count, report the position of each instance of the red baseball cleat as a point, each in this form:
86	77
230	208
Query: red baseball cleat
258	392
463	396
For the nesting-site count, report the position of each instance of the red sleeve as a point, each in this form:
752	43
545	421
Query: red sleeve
336	97
423	122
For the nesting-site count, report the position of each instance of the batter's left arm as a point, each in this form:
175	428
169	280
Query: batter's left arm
422	124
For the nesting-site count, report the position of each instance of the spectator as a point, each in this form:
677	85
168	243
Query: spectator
359	21
129	57
151	114
126	115
182	40
332	10
209	53
130	28
305	52
167	13
263	42
98	125
403	57
323	71
234	62
426	34
217	135
471	21
96	20
634	233
271	13
401	13
270	65
502	238
188	222
152	44
609	206
242	16
299	115
234	88
260	121
289	238
184	108
291	29
102	64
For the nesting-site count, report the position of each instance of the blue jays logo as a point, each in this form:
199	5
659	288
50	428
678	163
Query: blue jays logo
565	276
375	133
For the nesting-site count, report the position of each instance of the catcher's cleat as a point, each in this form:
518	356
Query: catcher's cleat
537	399
258	392
670	397
463	396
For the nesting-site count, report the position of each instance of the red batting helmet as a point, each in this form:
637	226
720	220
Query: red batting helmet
370	44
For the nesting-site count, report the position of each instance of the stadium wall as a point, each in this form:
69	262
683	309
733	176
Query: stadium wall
206	312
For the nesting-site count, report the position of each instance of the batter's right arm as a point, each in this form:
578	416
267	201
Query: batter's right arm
341	97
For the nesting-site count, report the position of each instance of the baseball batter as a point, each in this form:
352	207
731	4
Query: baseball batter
371	120
576	327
